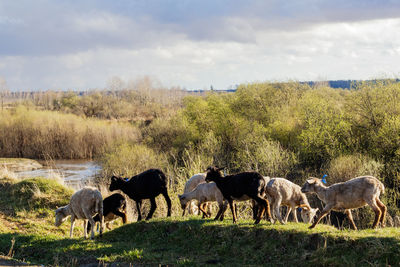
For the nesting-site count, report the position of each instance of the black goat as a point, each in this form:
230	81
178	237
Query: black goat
113	206
241	186
148	184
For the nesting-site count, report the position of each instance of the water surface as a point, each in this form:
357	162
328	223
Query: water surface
74	173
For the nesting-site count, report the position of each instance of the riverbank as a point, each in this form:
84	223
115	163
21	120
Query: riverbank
19	164
74	173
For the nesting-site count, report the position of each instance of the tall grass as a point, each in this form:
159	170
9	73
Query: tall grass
37	134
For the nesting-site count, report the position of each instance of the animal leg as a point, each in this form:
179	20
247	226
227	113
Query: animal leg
255	209
294	212
324	212
85	223
208	208
96	219
350	216
263	206
276	207
288	211
201	208
152	208
122	215
138	205
184	210
231	205
383	210
220	208
222	212
168	200
93	223
72	225
377	211
268	210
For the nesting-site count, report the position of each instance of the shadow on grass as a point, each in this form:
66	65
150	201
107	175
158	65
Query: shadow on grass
199	242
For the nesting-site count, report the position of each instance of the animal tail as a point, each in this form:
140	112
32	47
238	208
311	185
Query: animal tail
381	187
99	206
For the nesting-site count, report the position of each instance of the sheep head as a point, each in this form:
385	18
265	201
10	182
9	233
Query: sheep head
309	185
116	183
213	173
61	216
183	200
308	214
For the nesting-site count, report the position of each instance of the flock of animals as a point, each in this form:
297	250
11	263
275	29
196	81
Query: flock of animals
267	195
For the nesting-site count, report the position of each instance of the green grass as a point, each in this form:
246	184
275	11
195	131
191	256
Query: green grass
184	241
32	194
196	242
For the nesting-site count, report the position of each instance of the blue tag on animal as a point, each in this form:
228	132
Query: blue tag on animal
299	209
323	178
126	179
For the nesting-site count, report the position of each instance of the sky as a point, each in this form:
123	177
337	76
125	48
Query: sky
83	44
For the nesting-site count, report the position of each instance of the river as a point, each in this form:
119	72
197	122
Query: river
74	173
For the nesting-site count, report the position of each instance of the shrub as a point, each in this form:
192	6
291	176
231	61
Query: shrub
44	134
346	167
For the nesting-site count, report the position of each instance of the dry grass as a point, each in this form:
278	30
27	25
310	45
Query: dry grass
43	134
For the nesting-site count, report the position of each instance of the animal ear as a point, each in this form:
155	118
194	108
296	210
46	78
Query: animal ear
311	181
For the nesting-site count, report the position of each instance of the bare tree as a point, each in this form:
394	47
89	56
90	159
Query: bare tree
115	84
3	90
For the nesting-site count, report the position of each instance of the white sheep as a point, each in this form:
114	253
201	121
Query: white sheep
203	193
84	204
282	192
190	186
352	194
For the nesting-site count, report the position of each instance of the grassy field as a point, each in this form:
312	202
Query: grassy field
27	222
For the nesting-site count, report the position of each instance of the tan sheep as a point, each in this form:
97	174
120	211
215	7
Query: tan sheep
84	204
203	193
352	194
282	192
190	185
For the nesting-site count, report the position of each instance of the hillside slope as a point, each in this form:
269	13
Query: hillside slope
187	241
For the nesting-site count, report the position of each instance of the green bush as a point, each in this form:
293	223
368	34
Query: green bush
344	168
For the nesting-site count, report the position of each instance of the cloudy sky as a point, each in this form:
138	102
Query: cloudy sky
81	44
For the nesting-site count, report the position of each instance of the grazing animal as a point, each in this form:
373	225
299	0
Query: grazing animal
282	192
354	193
190	186
146	185
241	186
203	193
113	207
84	204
